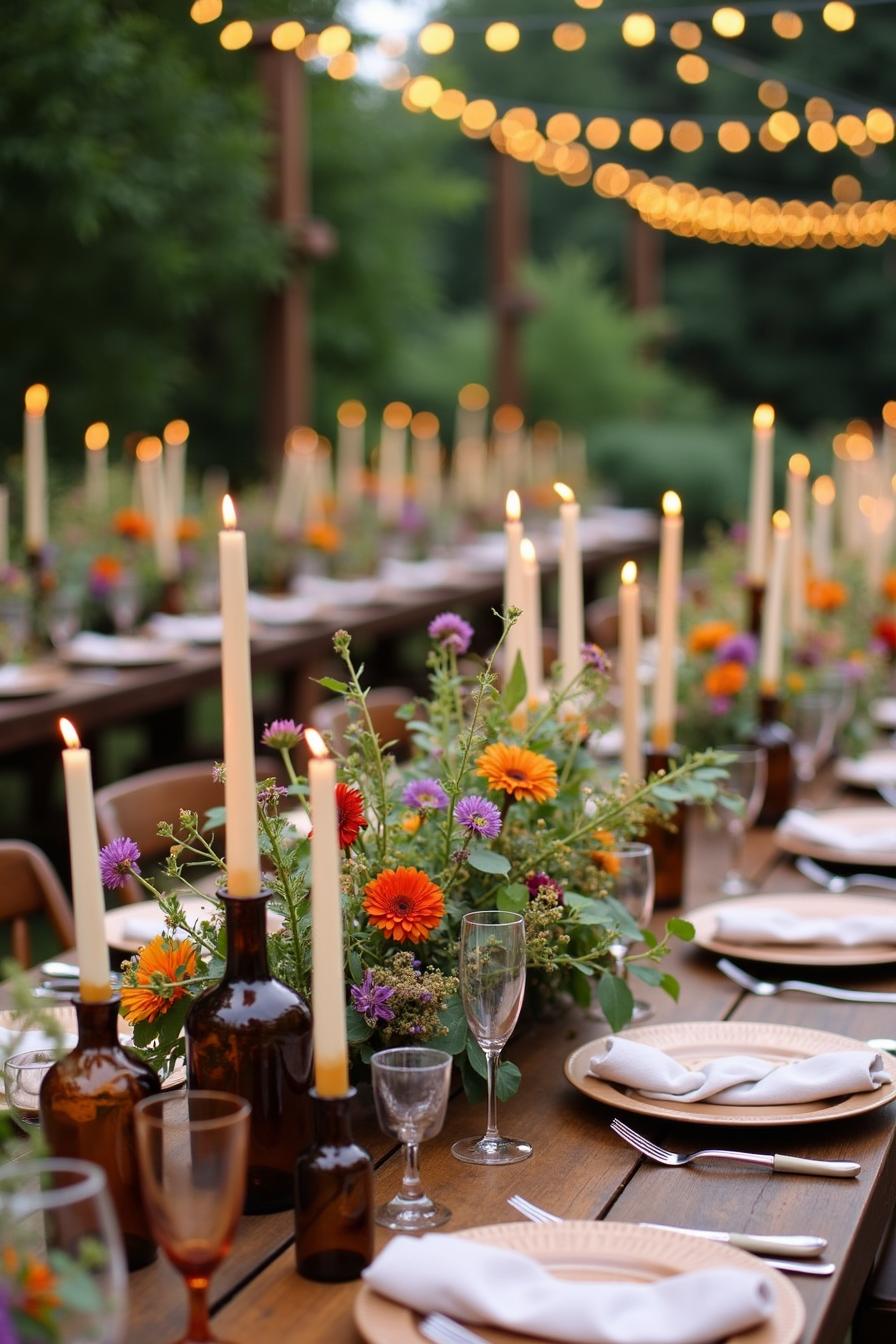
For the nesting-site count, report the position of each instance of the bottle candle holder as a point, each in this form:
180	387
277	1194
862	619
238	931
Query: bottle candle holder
755	601
777	739
333	1197
669	845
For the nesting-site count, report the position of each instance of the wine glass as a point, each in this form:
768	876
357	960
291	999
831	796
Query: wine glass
124	604
632	871
63	617
814	718
22	1077
410	1091
60	1229
747	778
492	984
192	1149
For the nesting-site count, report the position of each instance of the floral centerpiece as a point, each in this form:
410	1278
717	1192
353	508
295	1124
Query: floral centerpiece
496	808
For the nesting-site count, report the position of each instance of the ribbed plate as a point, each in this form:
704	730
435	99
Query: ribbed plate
807	905
872	823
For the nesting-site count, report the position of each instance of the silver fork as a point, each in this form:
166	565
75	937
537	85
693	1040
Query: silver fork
835	884
533	1212
443	1330
888	793
775	1161
766	988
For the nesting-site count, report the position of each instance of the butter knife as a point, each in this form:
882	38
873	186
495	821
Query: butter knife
799	1248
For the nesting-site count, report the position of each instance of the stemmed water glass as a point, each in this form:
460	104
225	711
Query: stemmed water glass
192	1148
632	870
814	718
410	1090
747	778
492	984
22	1077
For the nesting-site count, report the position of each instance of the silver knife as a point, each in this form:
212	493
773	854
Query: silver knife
800	1248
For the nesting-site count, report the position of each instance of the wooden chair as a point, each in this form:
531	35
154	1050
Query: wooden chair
875	1318
332	717
29	885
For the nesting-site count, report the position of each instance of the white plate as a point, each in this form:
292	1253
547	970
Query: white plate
18	682
870	823
129	927
92	650
808	905
868	771
883	712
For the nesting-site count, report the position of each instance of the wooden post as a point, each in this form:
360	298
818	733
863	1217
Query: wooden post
645	265
508	240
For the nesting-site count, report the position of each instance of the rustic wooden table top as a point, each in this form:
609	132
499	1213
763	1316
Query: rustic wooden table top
580	1170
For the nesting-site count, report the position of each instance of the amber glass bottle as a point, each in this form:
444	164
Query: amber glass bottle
87	1105
755	603
776	737
334	1197
668	845
251	1035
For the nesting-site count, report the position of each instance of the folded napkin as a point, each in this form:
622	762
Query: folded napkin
817	827
770	925
119	650
488	1285
285	609
738	1080
198	628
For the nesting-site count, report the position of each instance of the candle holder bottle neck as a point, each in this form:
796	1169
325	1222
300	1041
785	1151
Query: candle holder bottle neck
755	603
247	937
669	846
777	739
332	1119
97	1023
334	1197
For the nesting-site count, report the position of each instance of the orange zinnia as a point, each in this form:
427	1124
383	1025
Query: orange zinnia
709	635
825	594
161	965
133	524
603	859
106	568
189	529
725	679
889	586
525	775
403	903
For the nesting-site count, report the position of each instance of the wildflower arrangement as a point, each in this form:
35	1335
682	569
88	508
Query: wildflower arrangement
496	808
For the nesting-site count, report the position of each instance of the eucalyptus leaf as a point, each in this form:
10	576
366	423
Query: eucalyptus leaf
508	1081
681	928
514	898
649	974
515	690
615	998
487	861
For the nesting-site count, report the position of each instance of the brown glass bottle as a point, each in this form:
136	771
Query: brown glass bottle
755	601
87	1105
668	845
334	1197
251	1035
776	737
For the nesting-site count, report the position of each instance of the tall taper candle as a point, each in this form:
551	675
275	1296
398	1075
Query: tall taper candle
96	466
666	684
243	867
772	640
571	605
87	887
327	955
4	527
426	460
472	410
824	492
35	468
391	464
155	504
760	493
176	435
798	469
350	419
514	589
533	655
507	444
629	661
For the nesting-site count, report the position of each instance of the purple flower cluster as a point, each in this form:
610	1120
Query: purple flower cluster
372	1000
478	816
537	882
118	860
594	656
451	631
740	648
282	734
269	794
425	795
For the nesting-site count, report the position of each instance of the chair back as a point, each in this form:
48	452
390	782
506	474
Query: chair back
334	716
30	886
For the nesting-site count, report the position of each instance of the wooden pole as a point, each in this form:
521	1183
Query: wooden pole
645	265
508	247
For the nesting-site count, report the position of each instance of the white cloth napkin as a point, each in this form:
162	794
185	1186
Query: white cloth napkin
770	925
196	627
285	609
489	1285
737	1080
120	650
818	828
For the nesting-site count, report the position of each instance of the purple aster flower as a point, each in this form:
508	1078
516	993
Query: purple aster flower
451	631
269	795
478	816
537	881
852	671
740	648
282	734
412	518
425	795
594	656
218	772
719	705
738	533
371	1000
118	860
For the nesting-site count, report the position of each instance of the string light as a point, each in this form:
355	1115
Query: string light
638	30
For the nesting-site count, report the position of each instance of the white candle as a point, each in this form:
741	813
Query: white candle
391	463
760	493
4	527
243	868
327	956
472	411
155	505
507	426
533	654
629	663
798	469
87	887
668	597
879	512
469	469
35	468
772	638
286	506
888	437
426	459
824	493
545	449
570	603
574	458
514	588
176	435
350	419
96	466
319	481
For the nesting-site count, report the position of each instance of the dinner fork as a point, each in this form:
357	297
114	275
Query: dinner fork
766	988
888	793
835	884
443	1330
775	1161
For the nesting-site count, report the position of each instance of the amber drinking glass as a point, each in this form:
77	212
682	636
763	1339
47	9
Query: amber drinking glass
192	1149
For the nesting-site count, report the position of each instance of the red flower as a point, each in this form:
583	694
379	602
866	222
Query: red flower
349	814
885	631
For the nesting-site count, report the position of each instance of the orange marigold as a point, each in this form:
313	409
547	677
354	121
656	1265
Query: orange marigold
525	775
133	524
404	904
323	537
151	986
189	529
708	635
825	594
609	862
725	679
795	683
106	568
889	586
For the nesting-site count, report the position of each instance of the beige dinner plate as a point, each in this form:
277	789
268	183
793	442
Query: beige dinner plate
19	682
88	650
883	712
130	927
868	771
871	823
64	1014
693	1044
597	1252
806	905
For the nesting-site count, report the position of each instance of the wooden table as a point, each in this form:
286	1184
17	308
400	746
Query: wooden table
580	1170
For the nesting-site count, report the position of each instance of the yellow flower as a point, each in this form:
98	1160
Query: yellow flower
525	775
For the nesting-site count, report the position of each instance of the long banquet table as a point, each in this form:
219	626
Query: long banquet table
580	1170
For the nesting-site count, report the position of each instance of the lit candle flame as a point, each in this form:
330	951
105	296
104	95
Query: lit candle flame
566	493
316	745
799	465
527	551
671	504
780	520
512	508
473	397
397	415
228	513
96	436
824	491
351	414
629	573
37	397
176	431
69	733
764	416
149	448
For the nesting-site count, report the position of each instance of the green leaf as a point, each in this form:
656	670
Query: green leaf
681	928
331	684
515	690
356	1028
508	1080
649	974
487	861
355	966
622	920
476	1057
171	1023
514	897
670	985
214	819
453	1017
615	998
649	938
580	987
595	912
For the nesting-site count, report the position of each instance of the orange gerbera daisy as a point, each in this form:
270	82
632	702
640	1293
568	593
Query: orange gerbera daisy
525	775
133	524
404	904
324	537
709	635
825	594
889	586
603	859
151	985
725	679
106	569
